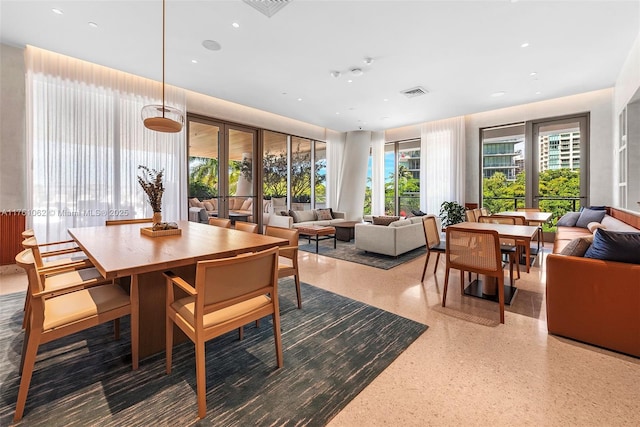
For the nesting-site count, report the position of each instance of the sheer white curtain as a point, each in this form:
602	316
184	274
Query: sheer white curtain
85	140
335	155
443	147
377	173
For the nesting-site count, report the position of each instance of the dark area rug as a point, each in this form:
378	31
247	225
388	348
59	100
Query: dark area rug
333	348
347	251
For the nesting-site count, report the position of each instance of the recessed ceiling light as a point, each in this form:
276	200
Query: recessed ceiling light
368	61
335	74
57	11
533	73
352	108
497	94
195	61
299	99
211	45
235	25
93	25
284	93
356	72
386	99
349	81
525	44
337	113
538	93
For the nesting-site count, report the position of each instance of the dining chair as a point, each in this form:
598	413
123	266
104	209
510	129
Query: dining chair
477	213
484	211
476	251
220	222
288	261
538	224
58	256
246	226
220	303
508	247
127	221
432	237
57	276
54	314
470	215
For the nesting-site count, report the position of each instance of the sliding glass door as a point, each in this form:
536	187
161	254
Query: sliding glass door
221	168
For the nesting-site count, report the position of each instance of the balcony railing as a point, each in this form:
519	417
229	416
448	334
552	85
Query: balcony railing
558	206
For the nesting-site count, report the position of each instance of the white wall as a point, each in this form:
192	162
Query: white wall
628	81
627	89
12	129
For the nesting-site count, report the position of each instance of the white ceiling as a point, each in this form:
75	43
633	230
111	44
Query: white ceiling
461	52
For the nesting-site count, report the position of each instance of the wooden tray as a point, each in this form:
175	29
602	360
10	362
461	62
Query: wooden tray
148	231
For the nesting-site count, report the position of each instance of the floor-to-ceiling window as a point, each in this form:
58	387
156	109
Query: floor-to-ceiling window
402	177
368	189
320	187
301	164
536	164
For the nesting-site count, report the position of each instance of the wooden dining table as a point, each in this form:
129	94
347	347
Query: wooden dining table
121	251
508	231
532	218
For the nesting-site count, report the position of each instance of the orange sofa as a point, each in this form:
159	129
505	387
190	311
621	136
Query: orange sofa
595	301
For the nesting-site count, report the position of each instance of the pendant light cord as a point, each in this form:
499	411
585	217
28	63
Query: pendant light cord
163	48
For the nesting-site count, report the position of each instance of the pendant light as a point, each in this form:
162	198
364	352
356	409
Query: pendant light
162	118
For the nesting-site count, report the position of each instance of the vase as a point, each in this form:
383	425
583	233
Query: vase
157	218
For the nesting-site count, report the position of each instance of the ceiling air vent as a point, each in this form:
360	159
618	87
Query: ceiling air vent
414	91
267	7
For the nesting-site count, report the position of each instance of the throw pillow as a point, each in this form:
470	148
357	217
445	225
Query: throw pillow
615	246
193	201
302	216
284	213
384	220
246	205
568	220
323	214
418	213
589	215
577	247
593	226
208	206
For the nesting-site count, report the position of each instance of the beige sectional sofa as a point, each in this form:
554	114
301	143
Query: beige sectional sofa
394	239
200	211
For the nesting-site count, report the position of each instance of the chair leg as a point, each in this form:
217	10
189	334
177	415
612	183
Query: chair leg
168	344
25	340
424	270
512	259
462	281
25	381
298	294
435	267
446	285
501	297
241	333
277	337
201	378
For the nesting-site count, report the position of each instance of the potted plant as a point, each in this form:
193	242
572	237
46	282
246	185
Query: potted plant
451	213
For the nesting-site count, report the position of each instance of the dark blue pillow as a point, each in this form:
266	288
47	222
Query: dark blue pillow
569	219
615	246
589	215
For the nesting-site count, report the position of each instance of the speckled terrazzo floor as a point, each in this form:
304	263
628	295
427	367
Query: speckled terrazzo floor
467	369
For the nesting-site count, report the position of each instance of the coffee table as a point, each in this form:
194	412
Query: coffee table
318	232
345	230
